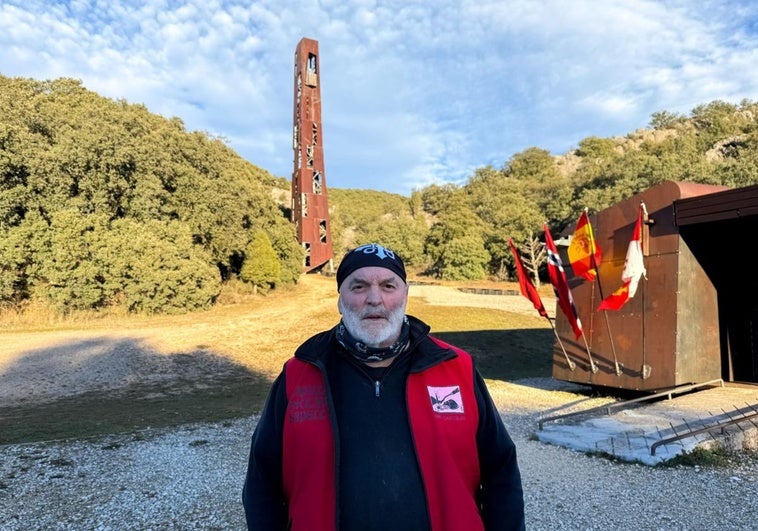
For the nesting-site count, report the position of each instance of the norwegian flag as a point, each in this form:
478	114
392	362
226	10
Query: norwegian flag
560	284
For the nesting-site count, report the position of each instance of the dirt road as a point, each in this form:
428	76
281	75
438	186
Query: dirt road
44	365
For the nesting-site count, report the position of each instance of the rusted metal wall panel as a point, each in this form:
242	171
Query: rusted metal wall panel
660	321
642	334
643	338
698	349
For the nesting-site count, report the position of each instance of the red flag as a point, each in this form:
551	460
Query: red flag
583	253
634	268
525	283
560	284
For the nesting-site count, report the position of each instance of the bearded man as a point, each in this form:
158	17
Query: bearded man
376	425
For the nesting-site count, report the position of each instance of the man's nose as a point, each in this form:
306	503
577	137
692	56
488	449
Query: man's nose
374	295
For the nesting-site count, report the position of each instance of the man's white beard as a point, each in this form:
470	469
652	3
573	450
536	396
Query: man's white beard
374	335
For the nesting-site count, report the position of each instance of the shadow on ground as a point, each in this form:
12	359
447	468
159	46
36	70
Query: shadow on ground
102	386
507	354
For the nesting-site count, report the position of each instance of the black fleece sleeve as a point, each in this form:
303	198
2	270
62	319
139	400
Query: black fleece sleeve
501	495
262	496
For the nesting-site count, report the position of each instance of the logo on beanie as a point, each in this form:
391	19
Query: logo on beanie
369	255
375	248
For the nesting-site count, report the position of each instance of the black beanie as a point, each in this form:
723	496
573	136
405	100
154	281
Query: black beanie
369	255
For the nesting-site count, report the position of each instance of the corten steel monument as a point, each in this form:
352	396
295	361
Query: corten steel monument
695	318
310	209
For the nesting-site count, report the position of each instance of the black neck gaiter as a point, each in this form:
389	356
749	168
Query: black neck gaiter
364	353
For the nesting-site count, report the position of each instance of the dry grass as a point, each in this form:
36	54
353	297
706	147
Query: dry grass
75	376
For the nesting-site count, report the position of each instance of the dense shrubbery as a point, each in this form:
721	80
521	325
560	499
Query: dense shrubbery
105	204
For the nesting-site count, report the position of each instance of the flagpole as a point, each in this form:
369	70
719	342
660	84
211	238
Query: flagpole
646	369
563	291
608	327
571	364
602	297
530	292
593	365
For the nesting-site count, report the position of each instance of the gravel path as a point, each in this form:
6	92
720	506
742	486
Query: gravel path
191	478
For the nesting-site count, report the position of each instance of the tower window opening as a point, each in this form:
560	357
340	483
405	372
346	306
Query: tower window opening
307	254
311	70
317	188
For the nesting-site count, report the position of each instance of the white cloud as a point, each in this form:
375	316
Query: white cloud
413	92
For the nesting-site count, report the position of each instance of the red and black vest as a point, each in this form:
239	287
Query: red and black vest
443	417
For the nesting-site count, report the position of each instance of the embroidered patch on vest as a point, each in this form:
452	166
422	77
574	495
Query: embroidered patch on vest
446	399
307	403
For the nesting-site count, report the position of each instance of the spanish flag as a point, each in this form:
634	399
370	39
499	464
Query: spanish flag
583	252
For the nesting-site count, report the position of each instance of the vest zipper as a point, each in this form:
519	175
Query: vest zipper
377	381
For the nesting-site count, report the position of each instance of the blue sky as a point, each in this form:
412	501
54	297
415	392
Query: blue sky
413	92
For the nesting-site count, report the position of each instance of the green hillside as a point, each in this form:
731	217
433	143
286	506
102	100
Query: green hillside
104	204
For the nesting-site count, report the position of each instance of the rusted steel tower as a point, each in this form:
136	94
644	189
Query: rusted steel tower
310	208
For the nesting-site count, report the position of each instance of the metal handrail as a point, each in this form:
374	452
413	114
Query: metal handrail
607	408
692	433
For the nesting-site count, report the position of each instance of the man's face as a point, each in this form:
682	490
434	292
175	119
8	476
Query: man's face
372	303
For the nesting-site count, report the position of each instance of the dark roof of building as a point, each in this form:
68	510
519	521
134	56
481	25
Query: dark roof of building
728	204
